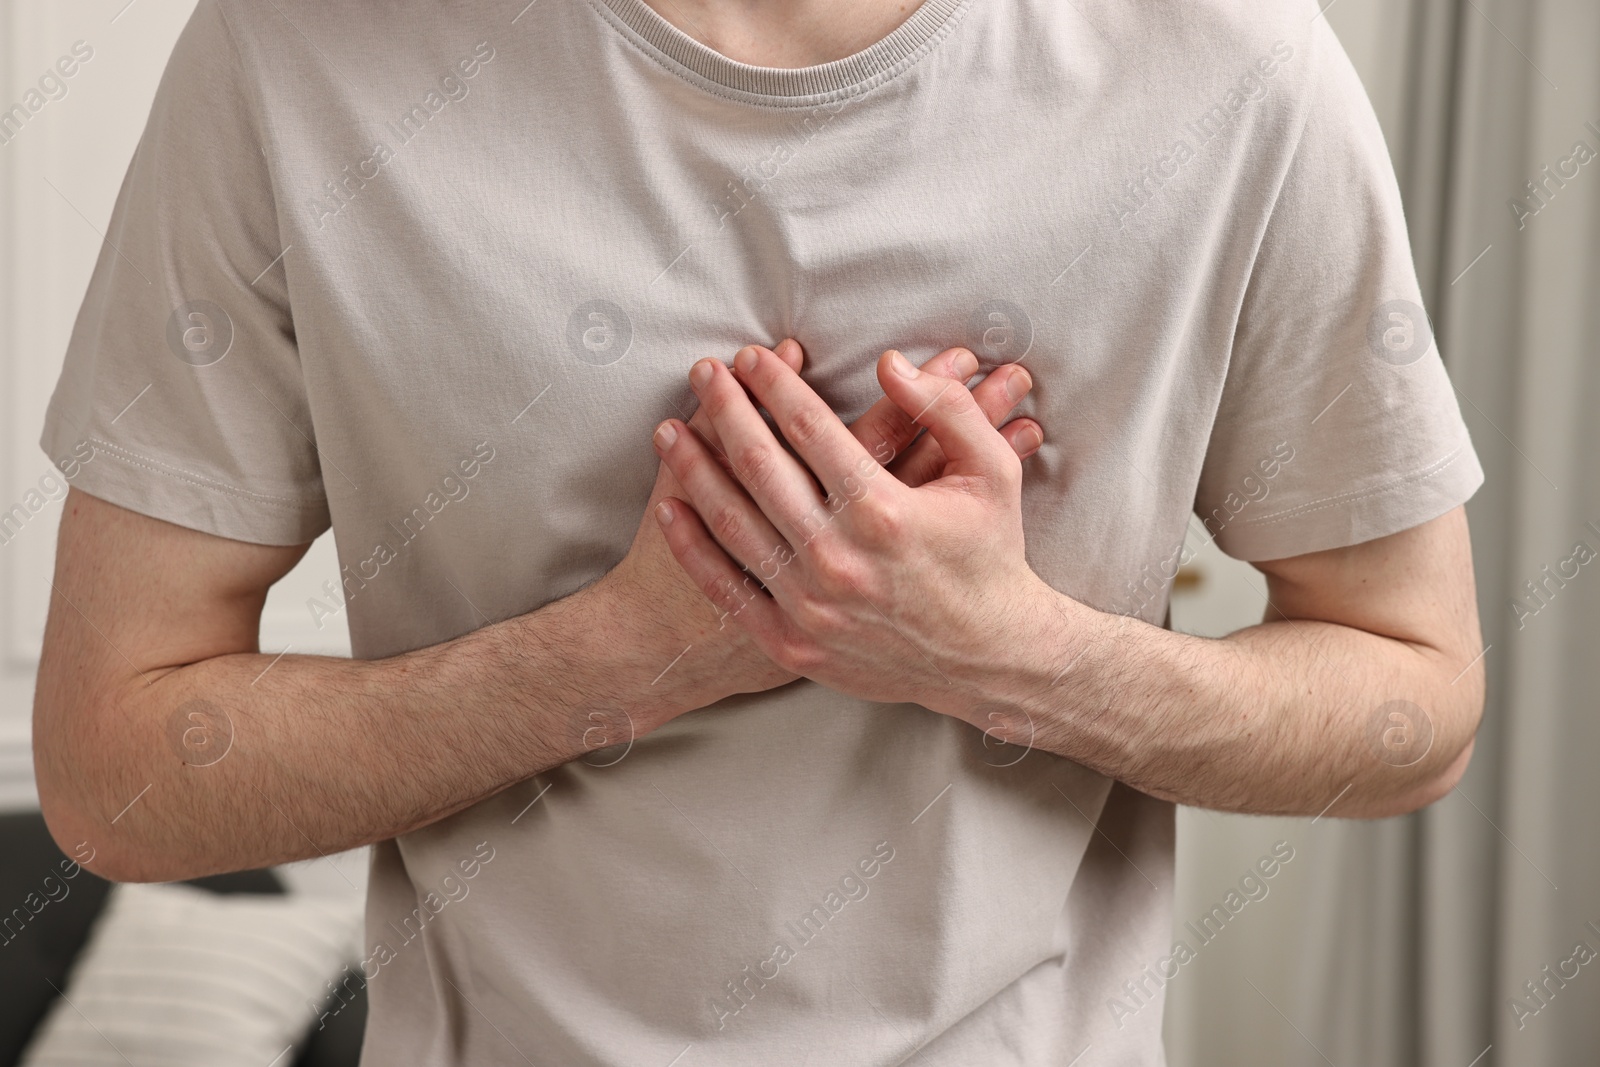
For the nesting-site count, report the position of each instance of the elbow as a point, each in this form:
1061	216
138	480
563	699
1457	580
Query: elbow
1459	732
1440	784
60	793
69	826
81	833
1469	715
88	843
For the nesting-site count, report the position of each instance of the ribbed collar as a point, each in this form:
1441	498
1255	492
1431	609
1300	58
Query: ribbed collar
842	77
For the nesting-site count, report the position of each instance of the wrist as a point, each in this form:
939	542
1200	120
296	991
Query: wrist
625	653
661	653
1038	656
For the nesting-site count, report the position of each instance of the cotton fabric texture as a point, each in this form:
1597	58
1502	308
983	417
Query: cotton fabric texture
434	281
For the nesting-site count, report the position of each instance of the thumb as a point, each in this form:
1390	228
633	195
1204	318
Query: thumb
948	410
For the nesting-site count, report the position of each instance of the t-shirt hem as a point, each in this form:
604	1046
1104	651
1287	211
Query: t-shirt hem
162	490
1359	515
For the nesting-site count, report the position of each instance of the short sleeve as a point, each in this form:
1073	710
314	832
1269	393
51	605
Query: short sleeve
1337	422
182	396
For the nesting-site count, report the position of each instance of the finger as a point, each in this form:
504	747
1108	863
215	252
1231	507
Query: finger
735	594
997	395
885	431
1024	436
729	513
778	482
950	414
790	352
826	446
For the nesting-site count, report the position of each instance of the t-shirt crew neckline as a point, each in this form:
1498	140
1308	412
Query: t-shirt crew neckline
779	85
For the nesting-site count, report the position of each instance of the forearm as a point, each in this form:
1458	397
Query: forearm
1277	718
246	760
1287	717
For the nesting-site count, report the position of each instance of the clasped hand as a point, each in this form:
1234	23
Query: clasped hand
838	570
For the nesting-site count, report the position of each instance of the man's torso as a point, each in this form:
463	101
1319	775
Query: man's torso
512	276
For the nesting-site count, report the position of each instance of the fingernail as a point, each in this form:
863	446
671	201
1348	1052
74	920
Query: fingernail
966	365
1030	439
666	434
902	366
1017	384
664	513
700	374
744	361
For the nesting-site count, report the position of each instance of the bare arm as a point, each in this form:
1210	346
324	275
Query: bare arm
1359	695
151	671
923	594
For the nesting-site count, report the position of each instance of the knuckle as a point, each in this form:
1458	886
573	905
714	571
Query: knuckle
811	613
727	523
807	427
882	429
720	591
798	655
993	401
812	526
957	400
878	519
835	570
755	466
943	365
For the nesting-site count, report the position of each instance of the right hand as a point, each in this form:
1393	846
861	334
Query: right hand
684	630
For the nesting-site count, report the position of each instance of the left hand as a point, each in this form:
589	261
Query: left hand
879	590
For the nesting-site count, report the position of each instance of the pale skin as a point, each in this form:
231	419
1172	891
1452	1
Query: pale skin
914	589
786	33
327	753
923	595
1275	718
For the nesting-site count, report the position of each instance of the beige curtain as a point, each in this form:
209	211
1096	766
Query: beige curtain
1421	933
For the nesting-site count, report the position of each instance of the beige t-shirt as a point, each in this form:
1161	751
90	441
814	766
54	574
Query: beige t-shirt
431	273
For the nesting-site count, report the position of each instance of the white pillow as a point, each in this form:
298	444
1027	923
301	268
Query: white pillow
173	976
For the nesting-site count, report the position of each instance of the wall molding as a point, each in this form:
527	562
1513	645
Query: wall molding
16	767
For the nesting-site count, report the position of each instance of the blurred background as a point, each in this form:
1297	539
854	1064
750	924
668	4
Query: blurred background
1462	936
